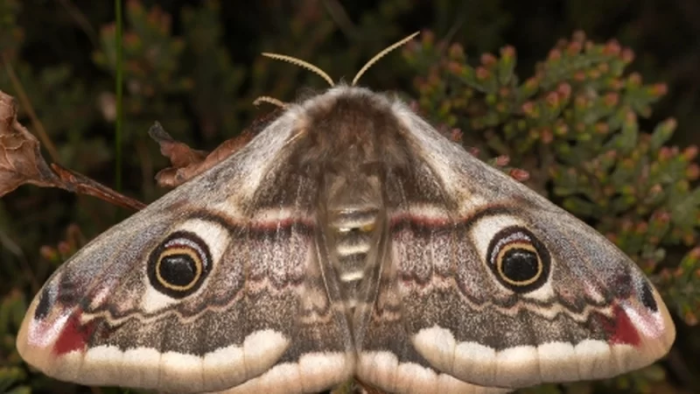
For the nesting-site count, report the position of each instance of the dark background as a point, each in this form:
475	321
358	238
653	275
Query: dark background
195	67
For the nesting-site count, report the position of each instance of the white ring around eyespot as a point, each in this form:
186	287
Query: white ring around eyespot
482	232
486	227
217	239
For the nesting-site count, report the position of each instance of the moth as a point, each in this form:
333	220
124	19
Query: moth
348	239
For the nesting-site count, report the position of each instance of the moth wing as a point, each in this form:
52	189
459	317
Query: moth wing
219	283
386	358
483	280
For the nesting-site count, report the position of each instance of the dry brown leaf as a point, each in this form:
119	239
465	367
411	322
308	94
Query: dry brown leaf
21	162
187	163
20	152
179	153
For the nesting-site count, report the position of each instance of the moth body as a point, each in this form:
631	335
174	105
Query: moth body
347	150
352	234
348	239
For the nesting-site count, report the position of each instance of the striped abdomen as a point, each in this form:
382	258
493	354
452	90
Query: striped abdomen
354	232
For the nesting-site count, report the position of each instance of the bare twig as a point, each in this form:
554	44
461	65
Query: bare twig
81	184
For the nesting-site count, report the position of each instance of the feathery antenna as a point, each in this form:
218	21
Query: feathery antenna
325	76
300	63
269	100
380	55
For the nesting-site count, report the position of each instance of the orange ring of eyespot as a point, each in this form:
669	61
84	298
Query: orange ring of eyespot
518	245
179	250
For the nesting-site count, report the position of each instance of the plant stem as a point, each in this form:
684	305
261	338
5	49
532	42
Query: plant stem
119	93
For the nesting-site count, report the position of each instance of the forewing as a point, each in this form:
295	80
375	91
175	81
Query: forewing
220	283
488	282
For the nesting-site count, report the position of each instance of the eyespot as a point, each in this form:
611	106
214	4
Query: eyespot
179	265
518	259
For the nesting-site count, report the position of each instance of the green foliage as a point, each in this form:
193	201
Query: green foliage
580	123
12	375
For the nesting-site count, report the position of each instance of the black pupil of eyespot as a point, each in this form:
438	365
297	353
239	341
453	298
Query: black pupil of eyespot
520	265
178	269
